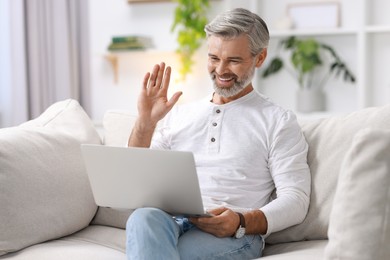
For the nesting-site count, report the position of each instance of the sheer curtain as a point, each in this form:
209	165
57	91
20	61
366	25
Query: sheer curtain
57	53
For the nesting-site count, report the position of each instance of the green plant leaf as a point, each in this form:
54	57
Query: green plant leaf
189	20
306	57
275	66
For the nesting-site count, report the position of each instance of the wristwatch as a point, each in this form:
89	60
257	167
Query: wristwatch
240	232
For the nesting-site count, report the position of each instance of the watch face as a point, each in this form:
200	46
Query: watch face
240	232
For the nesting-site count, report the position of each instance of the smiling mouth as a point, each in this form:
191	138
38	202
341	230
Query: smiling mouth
224	79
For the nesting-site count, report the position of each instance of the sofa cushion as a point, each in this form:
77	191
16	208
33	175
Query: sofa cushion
45	192
112	217
360	219
67	117
93	242
117	126
302	250
329	140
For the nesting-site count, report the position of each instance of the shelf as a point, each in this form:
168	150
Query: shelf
329	32
312	32
378	29
148	56
114	57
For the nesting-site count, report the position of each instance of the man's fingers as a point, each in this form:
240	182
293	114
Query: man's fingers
160	75
173	100
167	78
146	80
218	211
152	79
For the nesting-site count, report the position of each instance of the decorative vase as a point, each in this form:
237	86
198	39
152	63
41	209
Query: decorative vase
310	100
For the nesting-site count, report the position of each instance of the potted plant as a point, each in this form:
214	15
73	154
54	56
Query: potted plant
189	19
308	58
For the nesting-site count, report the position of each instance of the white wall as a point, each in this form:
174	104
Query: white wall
117	17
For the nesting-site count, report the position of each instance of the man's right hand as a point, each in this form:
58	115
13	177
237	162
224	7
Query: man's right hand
153	104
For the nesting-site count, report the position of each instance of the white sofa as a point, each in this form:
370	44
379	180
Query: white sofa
47	209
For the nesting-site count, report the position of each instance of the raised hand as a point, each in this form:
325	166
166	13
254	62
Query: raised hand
153	104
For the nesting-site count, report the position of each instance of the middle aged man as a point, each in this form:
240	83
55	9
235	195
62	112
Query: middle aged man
246	149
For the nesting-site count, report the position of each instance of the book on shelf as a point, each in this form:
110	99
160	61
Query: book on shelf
129	42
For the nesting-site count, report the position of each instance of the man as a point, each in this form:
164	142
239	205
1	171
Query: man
246	149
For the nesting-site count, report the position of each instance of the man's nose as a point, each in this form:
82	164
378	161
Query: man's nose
221	68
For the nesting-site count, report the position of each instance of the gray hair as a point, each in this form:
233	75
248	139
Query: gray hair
232	24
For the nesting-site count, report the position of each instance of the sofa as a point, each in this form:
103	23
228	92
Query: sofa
47	210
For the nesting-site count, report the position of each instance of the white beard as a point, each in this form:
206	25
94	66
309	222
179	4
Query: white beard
237	87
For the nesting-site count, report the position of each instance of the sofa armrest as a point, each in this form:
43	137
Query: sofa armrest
360	219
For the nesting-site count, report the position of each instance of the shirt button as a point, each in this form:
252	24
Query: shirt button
213	139
218	111
215	124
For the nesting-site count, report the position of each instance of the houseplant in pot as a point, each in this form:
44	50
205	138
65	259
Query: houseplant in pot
312	64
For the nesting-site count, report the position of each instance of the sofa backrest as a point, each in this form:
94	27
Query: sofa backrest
329	140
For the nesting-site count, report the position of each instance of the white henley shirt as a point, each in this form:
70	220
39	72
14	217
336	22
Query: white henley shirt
249	153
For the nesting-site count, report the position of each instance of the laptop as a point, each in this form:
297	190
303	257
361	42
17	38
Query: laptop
130	178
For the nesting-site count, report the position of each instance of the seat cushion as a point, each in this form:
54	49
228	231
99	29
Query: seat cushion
360	219
45	192
313	250
93	242
329	140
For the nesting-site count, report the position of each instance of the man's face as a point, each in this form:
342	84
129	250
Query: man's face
230	64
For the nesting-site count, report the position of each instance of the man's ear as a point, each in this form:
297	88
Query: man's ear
261	57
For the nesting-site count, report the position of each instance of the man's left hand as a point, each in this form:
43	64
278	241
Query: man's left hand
223	224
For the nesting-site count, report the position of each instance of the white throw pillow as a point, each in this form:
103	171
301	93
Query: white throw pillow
360	220
117	128
45	192
329	140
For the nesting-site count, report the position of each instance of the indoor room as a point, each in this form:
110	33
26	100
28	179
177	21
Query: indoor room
293	156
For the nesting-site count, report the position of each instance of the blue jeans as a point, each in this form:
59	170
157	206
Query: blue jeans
153	234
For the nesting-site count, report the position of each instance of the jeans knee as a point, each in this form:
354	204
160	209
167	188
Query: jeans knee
145	216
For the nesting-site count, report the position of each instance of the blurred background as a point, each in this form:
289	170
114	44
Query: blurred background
54	50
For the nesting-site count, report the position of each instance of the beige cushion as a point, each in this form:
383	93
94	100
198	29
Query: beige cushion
67	117
329	140
45	192
360	219
112	217
117	126
303	250
93	242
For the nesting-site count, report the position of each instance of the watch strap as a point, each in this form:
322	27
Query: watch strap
242	219
240	232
